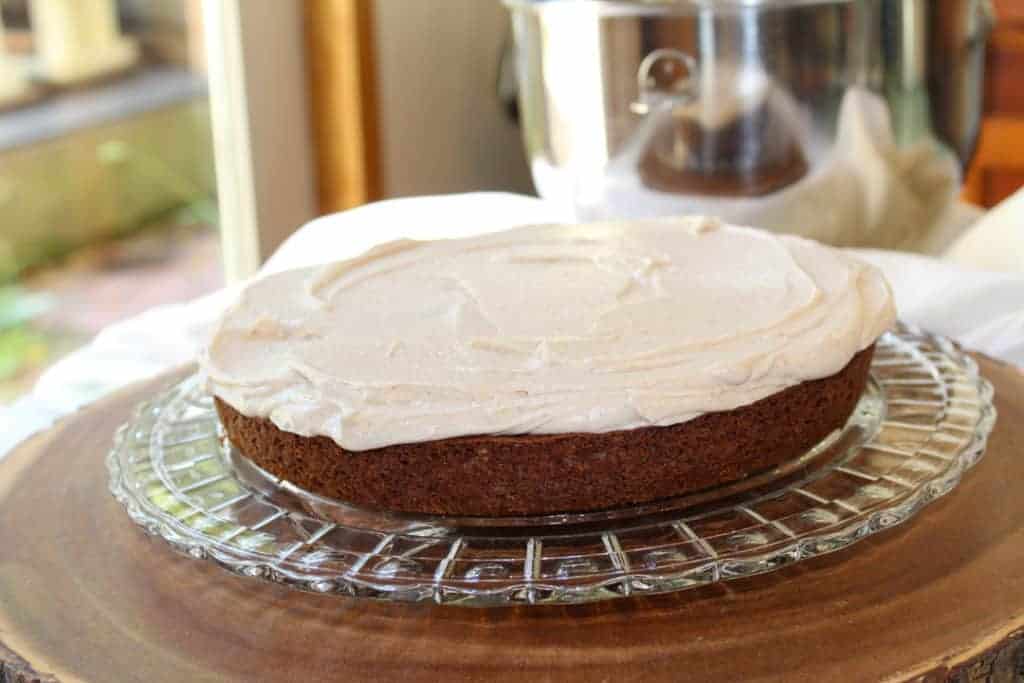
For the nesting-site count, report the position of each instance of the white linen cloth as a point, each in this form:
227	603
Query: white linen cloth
983	310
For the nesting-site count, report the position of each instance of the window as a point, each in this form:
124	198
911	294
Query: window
107	182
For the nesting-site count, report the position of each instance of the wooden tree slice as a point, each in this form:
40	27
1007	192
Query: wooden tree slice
86	596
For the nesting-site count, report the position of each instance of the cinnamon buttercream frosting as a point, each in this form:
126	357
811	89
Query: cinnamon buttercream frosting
543	329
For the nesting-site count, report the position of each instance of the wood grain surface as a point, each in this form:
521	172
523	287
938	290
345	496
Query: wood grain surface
86	596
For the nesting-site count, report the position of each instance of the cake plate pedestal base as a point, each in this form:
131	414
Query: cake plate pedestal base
85	595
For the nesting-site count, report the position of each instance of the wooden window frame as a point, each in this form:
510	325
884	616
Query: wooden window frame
343	101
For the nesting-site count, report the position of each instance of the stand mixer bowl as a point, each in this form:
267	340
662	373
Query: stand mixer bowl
844	120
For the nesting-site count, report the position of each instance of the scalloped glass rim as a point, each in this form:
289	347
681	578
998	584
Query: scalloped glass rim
924	421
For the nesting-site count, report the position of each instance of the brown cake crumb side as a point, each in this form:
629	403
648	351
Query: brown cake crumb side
548	473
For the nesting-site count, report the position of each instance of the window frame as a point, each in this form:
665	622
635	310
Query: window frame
259	104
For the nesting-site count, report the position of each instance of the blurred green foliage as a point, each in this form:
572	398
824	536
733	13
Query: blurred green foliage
18	306
20	345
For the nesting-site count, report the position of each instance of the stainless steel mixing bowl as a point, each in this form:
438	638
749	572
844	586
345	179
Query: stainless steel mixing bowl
845	120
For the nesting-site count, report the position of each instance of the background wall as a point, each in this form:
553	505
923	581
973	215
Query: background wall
440	123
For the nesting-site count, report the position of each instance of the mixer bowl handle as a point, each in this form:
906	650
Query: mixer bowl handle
666	78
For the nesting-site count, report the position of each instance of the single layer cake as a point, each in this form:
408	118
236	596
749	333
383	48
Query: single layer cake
547	368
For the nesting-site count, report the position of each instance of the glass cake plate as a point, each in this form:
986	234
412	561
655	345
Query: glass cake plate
922	422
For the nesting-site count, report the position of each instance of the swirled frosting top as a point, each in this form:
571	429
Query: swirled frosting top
543	329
